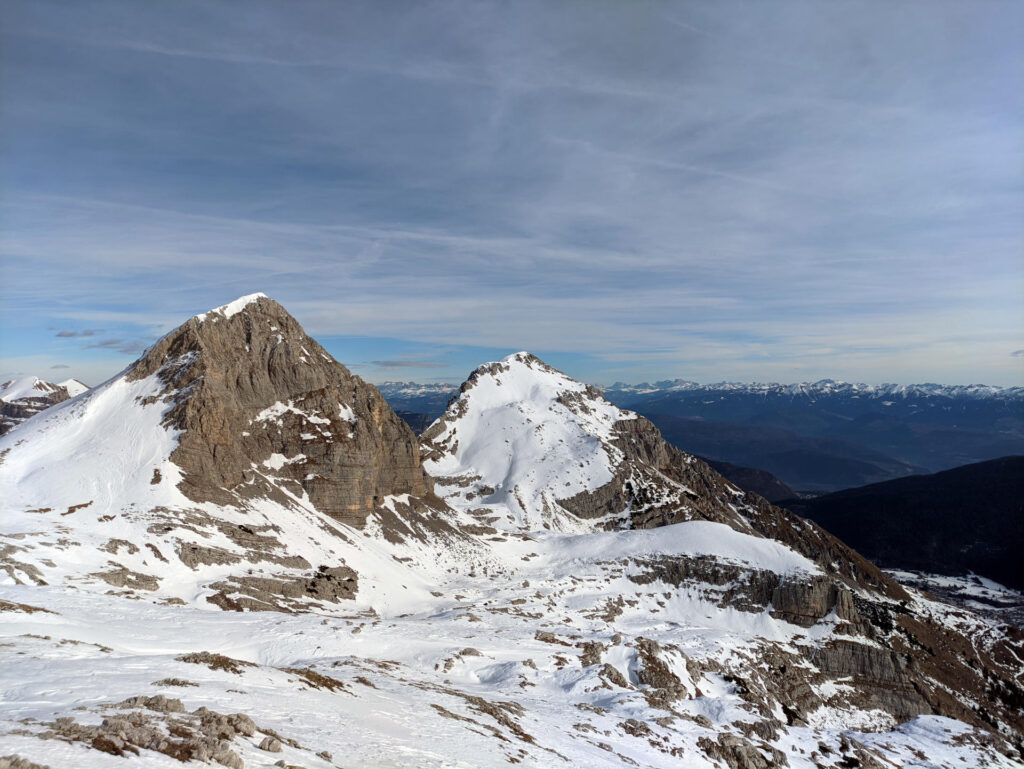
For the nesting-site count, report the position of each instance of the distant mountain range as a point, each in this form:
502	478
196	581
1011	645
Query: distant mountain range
828	435
822	388
415	398
815	437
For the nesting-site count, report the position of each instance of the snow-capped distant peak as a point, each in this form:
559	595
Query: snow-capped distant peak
26	396
824	387
25	387
74	386
231	308
527	434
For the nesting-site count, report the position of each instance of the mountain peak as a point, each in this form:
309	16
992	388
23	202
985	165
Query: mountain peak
527	432
238	423
25	397
248	384
523	356
233	308
520	373
26	387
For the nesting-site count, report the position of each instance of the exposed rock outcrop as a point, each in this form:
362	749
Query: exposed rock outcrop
264	410
163	725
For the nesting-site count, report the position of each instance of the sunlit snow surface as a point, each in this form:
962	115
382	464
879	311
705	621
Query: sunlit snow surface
74	387
408	678
24	387
517	434
231	308
465	655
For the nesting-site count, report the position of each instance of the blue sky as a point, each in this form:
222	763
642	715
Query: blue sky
634	191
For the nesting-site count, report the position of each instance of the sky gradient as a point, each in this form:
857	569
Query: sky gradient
633	191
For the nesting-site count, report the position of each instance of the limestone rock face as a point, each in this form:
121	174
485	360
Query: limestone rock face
264	410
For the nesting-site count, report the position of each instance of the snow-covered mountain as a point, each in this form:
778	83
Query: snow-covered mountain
25	397
571	591
217	467
529	447
26	388
74	386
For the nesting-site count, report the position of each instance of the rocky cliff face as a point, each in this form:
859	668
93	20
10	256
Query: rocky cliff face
24	398
264	410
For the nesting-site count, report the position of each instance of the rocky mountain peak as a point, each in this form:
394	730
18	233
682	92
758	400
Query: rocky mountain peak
264	410
231	463
524	435
547	441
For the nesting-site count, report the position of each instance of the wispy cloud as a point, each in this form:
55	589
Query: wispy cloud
811	188
128	347
64	334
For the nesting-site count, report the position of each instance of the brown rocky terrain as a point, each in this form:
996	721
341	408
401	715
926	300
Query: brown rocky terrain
251	386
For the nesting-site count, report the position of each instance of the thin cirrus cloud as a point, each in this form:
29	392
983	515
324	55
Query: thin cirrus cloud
65	334
128	347
707	190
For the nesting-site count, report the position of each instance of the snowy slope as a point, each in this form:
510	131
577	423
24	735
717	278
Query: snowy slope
26	387
74	386
562	660
529	435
